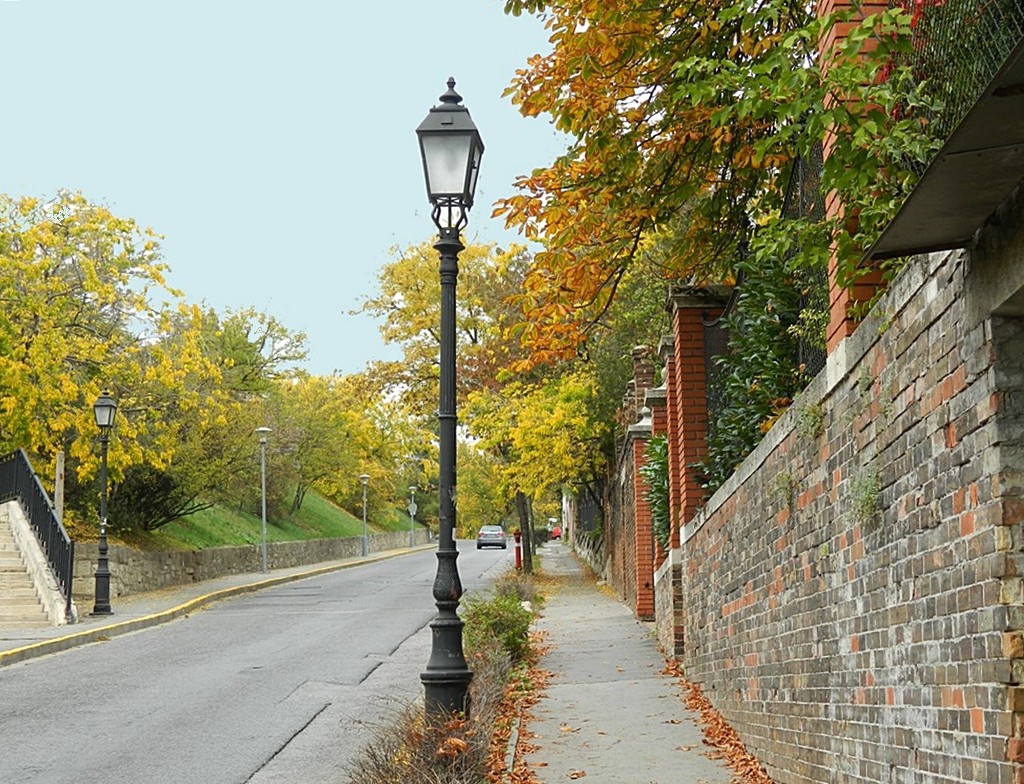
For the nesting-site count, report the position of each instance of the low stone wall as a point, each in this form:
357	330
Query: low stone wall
668	605
134	571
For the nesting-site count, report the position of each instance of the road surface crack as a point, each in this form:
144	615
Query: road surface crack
292	737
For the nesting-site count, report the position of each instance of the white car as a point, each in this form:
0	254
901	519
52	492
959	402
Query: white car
491	536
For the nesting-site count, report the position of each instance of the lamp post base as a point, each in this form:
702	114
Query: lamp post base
101	602
101	606
447	677
446	693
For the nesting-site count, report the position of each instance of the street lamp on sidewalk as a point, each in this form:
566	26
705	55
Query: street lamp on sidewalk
451	148
263	431
365	478
103	411
412	515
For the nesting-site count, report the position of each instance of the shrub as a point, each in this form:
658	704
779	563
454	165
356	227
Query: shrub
453	749
655	474
502	618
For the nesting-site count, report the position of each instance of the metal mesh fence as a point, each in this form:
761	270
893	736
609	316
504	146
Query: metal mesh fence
959	46
716	343
804	200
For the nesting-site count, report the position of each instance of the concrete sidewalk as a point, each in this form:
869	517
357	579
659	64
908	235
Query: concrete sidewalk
608	713
143	610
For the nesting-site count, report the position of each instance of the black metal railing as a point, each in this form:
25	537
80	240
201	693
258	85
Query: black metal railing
19	482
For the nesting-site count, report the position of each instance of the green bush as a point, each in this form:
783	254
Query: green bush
655	473
502	618
518	584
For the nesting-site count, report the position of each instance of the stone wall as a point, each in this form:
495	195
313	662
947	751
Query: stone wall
668	605
852	596
134	571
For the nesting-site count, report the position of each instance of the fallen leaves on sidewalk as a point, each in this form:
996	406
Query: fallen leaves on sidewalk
718	734
520	695
577	774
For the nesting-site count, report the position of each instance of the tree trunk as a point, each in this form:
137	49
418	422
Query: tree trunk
526	527
300	496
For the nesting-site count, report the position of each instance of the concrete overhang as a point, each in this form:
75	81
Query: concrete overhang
976	169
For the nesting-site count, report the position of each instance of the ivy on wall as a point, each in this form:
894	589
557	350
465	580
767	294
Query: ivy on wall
655	474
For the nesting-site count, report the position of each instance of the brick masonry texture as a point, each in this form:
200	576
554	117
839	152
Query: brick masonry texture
852	599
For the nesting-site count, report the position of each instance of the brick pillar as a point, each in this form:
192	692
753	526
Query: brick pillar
690	307
643	533
643	374
845	301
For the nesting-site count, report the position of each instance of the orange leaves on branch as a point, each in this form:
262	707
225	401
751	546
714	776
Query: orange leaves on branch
661	149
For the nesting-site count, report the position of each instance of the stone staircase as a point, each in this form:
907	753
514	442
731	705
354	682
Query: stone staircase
19	603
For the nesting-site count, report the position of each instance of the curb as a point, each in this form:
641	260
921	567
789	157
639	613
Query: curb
104	633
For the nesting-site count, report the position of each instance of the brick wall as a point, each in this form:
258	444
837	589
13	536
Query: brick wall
852	597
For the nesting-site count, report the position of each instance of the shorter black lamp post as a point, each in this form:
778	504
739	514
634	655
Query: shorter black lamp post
451	149
365	478
103	410
412	515
262	431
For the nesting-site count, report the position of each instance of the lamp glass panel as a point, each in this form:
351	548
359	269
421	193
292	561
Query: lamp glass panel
103	411
474	172
446	157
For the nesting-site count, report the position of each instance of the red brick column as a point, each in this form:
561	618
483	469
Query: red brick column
845	302
687	391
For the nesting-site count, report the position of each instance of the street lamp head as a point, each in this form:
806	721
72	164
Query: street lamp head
413	489
451	148
103	410
262	431
364	478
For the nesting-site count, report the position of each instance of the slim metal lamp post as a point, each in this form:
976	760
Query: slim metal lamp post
451	148
412	515
103	410
365	478
263	496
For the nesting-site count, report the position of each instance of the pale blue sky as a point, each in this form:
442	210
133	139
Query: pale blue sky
272	143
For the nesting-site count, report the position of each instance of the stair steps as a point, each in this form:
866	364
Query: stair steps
20	606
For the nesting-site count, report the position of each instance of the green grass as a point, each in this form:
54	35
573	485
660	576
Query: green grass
219	526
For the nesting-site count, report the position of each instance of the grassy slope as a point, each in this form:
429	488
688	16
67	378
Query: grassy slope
317	519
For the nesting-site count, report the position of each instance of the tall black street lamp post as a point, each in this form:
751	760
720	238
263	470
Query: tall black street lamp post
103	410
451	149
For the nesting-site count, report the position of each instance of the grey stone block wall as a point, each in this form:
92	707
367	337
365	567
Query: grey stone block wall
135	571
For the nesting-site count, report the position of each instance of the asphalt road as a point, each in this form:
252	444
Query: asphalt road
283	685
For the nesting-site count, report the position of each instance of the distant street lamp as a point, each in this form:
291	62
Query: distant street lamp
365	478
451	148
412	515
103	411
263	495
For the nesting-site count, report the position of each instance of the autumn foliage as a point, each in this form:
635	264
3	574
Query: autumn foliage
683	120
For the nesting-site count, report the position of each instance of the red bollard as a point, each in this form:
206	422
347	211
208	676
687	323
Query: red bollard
519	549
